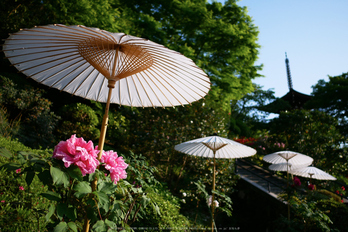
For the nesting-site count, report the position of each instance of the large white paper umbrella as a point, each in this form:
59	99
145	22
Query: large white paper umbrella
106	67
312	172
215	147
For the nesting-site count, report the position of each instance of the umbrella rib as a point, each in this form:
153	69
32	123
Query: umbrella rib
48	62
54	73
102	33
41	52
147	94
93	82
100	89
40	58
21	48
129	94
164	86
76	77
79	34
177	79
150	77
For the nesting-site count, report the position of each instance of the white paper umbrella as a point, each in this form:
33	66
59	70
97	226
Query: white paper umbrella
90	63
106	67
215	147
312	172
283	167
84	61
293	158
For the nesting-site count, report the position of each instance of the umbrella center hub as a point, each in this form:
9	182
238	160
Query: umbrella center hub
115	61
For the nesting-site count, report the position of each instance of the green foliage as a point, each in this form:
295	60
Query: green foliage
313	133
331	98
156	131
8	128
79	119
168	215
221	39
37	121
64	196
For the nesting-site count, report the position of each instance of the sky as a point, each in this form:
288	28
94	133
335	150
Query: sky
313	33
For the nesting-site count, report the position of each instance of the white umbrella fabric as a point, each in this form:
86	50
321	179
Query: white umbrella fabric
91	63
283	167
215	147
312	173
291	157
84	61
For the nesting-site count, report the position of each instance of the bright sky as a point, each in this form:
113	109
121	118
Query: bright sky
313	33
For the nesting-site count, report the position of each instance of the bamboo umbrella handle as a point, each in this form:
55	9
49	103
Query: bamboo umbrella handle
111	85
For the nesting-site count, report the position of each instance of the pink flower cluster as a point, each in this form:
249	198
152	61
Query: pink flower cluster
115	165
78	152
297	181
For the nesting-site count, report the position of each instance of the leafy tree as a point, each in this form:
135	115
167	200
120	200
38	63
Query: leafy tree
79	119
26	106
221	39
246	118
313	133
331	97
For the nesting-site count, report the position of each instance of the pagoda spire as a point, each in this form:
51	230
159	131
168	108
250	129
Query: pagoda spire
288	72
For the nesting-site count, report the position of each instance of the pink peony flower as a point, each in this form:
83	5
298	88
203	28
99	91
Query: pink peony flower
78	152
21	188
2	201
115	165
18	170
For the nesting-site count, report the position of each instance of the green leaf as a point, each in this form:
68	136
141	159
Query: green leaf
71	213
61	227
29	177
72	226
45	177
103	200
107	187
110	224
144	201
75	172
59	177
50	212
100	226
61	210
21	158
11	166
5	153
51	196
83	188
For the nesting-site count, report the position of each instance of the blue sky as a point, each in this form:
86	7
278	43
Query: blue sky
314	33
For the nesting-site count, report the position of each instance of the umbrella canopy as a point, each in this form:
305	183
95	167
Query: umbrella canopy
312	172
283	167
86	61
222	147
293	158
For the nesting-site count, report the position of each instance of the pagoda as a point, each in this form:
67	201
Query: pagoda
290	101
